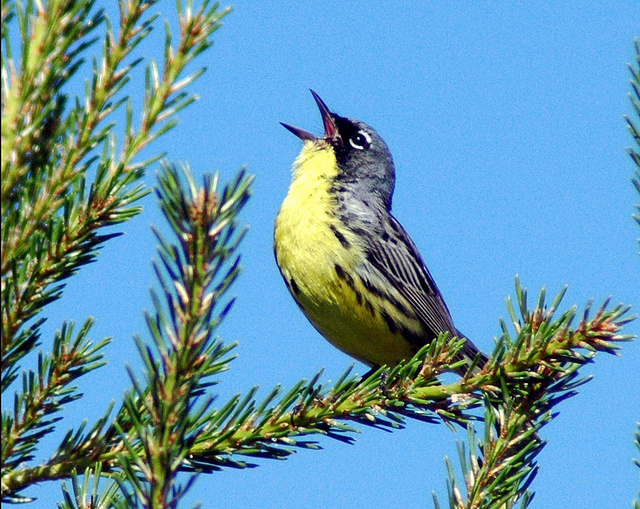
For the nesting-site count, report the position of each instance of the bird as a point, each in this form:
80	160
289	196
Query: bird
348	263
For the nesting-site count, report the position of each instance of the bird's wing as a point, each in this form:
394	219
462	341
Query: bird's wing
397	259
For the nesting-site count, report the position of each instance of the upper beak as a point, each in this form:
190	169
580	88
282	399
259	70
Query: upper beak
330	129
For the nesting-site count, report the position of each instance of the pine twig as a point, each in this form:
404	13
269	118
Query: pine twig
166	411
58	193
634	97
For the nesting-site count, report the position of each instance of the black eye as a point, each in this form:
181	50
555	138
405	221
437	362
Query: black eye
361	140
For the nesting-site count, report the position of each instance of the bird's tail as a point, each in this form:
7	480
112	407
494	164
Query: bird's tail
469	353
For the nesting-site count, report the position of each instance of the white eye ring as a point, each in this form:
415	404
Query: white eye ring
366	136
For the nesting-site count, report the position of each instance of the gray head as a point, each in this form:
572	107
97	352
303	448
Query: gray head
362	155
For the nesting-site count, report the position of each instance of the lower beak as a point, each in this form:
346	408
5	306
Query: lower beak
300	133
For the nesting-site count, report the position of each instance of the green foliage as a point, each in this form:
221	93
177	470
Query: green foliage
52	210
65	177
164	415
89	494
634	152
45	392
499	469
634	96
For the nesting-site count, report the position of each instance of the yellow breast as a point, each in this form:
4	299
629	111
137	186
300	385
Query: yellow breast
319	266
306	248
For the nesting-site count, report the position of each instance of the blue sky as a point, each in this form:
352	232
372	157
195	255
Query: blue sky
505	123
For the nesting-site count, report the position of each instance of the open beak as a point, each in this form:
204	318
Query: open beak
330	129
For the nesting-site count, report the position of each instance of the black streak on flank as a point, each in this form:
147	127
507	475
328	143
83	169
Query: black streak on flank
416	341
294	286
344	276
345	243
347	278
369	307
390	323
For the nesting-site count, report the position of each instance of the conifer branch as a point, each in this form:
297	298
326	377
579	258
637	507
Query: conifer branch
531	374
87	493
634	151
499	469
166	411
58	191
45	392
51	212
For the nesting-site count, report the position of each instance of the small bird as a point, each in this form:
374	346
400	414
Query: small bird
348	263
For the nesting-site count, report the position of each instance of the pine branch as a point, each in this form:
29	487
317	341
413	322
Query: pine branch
89	494
50	222
634	97
31	108
53	211
166	411
499	470
634	152
45	393
531	374
163	416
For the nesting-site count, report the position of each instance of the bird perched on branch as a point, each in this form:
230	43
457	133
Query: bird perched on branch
349	264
